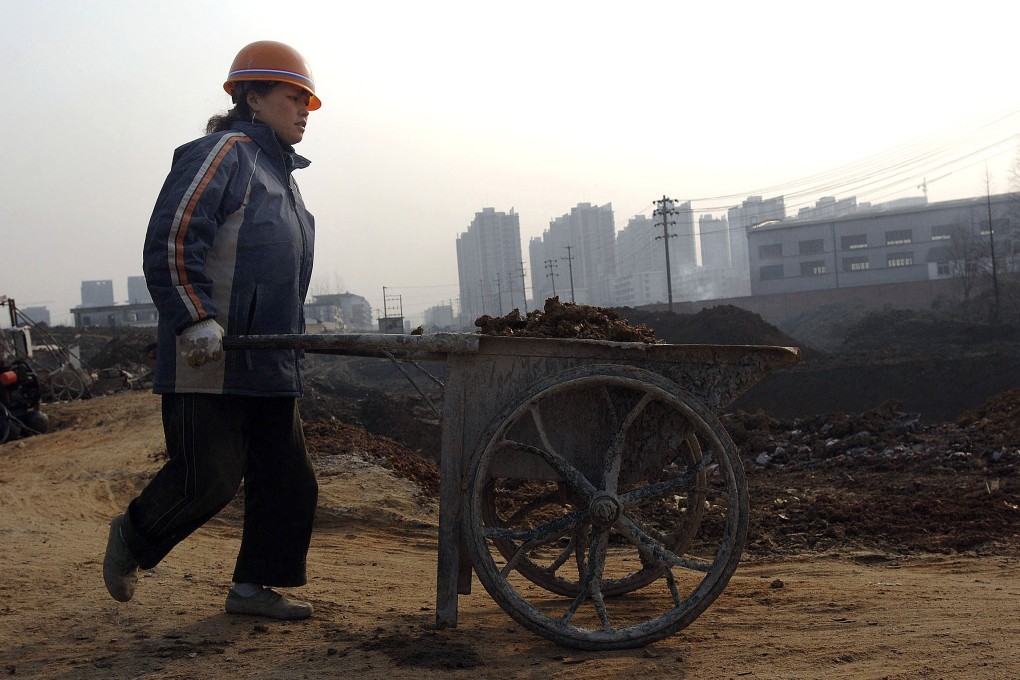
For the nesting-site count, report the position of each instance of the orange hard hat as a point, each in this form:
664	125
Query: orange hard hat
270	60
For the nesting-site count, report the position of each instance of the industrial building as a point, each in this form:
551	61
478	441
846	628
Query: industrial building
884	244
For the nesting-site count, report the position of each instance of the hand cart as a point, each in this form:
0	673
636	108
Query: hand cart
588	483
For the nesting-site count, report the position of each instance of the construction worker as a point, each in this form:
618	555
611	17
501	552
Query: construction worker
229	250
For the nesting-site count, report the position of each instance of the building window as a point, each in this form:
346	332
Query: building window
854	242
998	226
812	247
943	269
899	259
771	272
941	232
812	268
855	264
893	238
770	251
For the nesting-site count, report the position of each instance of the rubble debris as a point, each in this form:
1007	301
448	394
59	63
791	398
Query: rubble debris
567	320
883	480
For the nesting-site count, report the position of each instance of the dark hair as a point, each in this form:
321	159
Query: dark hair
241	110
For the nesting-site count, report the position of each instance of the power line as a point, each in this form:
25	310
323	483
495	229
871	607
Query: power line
911	152
877	171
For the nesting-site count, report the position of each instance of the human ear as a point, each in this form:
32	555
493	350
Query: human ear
252	99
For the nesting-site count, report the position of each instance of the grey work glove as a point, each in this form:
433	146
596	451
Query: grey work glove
201	342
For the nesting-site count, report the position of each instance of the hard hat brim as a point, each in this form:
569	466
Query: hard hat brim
277	76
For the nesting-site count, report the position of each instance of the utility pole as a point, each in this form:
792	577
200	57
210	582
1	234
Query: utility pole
551	266
499	291
524	289
991	247
570	264
388	299
666	209
511	289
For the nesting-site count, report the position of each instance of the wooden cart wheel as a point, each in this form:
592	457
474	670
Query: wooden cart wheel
508	503
66	385
602	480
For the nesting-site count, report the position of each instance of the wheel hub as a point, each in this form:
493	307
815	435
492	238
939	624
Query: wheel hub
605	510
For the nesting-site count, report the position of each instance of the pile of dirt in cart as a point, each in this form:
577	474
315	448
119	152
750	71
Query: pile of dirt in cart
566	320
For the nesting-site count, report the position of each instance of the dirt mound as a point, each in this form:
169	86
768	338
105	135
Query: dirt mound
127	348
719	325
99	348
566	320
883	480
910	331
332	437
825	327
996	423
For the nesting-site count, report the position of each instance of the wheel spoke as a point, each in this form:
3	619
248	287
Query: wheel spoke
671	583
541	532
663	555
515	558
599	547
579	559
529	507
611	465
611	471
564	555
668	486
559	465
530	545
590	586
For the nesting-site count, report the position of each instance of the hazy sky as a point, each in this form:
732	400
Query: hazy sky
434	110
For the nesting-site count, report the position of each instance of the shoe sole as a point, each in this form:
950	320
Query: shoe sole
120	586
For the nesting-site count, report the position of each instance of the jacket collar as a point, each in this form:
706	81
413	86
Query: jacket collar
271	144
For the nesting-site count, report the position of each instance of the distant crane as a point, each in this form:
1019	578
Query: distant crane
923	186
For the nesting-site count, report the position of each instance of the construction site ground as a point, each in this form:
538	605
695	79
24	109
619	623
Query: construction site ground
884	541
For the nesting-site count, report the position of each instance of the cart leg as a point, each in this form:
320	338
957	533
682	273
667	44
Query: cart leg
449	570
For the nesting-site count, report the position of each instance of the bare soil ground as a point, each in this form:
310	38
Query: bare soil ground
848	607
884	543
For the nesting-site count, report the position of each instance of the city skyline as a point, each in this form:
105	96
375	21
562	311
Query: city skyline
708	264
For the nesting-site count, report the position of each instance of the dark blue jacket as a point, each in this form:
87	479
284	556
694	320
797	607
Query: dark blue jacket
230	239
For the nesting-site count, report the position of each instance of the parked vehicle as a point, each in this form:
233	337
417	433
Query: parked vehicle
20	390
20	396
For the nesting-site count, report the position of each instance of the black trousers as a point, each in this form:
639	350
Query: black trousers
214	442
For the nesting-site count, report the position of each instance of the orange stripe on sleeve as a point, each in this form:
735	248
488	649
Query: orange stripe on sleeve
182	274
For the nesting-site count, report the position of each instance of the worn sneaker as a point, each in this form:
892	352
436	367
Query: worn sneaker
268	603
120	571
